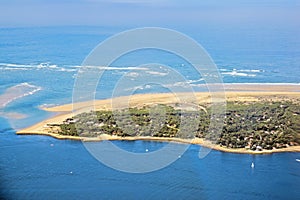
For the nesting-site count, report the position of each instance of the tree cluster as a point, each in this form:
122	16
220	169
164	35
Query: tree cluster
254	125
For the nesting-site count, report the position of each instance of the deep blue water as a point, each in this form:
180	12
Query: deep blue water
35	167
39	65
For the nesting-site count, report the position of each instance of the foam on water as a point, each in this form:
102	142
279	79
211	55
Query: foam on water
63	68
40	66
239	73
251	70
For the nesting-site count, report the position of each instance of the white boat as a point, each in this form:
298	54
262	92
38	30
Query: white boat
252	165
298	160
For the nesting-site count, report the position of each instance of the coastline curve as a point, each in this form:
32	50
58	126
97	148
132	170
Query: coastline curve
154	38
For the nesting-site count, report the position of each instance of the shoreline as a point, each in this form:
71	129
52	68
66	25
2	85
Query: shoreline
196	141
236	93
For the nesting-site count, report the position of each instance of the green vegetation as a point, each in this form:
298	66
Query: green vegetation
255	125
259	126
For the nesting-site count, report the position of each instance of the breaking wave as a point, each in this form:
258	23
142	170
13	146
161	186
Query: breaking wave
241	72
76	68
40	66
63	68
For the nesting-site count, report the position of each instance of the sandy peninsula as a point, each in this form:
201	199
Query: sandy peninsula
233	92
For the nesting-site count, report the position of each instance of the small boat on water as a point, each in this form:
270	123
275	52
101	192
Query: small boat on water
298	160
252	165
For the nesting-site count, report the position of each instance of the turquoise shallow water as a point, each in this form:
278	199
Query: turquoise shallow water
39	66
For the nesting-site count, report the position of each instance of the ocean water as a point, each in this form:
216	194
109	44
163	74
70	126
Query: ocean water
38	67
